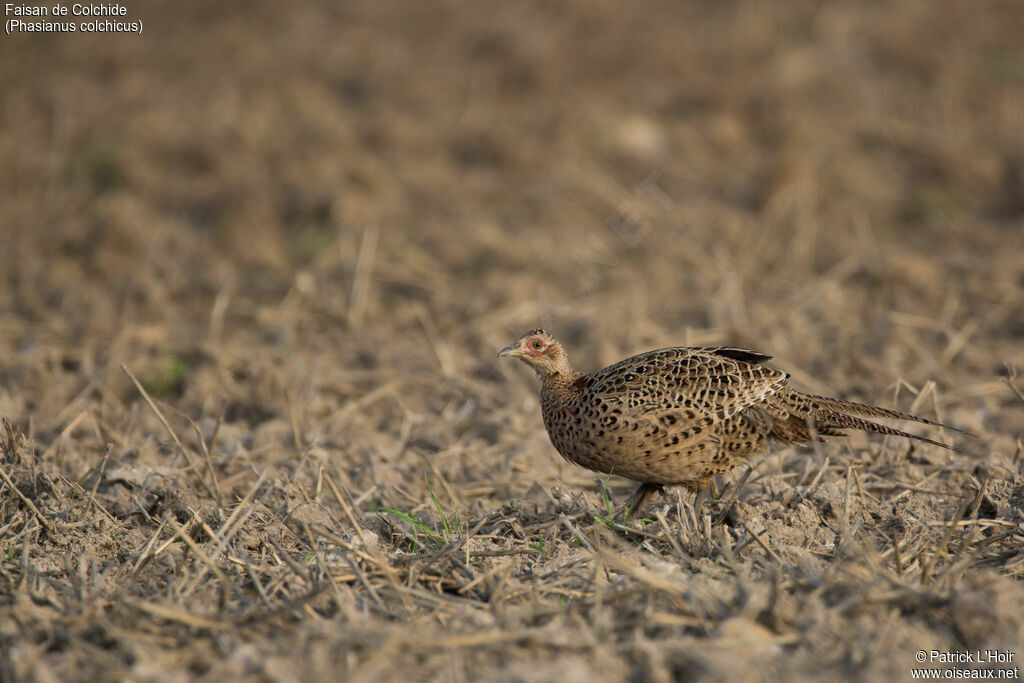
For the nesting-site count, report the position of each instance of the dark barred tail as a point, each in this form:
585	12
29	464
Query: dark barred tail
865	410
848	421
829	416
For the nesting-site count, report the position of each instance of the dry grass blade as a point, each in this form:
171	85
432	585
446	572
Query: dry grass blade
177	615
223	537
436	339
47	524
167	427
99	478
734	495
660	582
379	559
966	542
361	281
144	555
208	453
1013	387
363	401
757	539
927	567
208	561
296	568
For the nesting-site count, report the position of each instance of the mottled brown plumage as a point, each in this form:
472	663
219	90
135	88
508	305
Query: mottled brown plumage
681	415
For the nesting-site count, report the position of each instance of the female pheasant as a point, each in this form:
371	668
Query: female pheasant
681	415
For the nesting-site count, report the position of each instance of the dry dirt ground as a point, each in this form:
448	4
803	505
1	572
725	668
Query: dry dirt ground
258	261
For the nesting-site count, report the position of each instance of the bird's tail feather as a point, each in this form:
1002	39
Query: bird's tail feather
865	410
828	416
841	420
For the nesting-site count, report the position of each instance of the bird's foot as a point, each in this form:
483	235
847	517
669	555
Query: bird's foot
639	499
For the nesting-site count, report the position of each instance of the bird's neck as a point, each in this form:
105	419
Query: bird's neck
559	386
556	367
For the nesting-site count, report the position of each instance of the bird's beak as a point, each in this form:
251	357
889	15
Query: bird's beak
509	350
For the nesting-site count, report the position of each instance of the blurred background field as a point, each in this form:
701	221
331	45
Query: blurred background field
306	231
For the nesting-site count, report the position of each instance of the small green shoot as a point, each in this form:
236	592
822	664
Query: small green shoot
167	382
440	511
418	528
608	519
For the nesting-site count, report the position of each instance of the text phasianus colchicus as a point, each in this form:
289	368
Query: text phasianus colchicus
682	415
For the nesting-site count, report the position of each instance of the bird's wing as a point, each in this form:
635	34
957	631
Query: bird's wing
685	383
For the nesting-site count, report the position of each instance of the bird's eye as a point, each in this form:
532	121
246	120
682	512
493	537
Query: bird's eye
537	344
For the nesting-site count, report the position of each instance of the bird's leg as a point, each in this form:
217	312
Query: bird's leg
639	499
700	497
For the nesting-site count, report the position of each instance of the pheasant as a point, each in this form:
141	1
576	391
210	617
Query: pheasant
682	415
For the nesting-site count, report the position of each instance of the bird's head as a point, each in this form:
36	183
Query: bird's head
540	351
